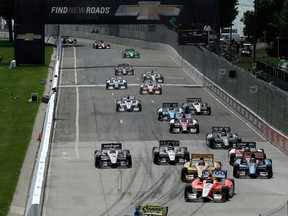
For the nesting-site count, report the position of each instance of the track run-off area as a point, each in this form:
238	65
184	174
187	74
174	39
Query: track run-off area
86	117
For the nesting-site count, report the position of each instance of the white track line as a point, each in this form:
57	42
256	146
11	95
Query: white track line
77	108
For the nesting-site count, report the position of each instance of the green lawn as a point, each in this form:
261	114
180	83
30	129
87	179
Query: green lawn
17	116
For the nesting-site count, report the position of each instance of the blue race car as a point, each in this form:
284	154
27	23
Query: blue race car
169	111
254	165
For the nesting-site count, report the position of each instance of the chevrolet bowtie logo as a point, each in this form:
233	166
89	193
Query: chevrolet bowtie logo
29	36
148	10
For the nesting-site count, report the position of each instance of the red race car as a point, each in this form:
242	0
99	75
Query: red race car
150	87
184	123
100	44
211	187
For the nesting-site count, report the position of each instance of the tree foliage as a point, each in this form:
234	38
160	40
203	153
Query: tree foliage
228	12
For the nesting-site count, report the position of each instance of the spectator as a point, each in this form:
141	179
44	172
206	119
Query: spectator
207	27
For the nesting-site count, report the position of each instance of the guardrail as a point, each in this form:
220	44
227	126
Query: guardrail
38	180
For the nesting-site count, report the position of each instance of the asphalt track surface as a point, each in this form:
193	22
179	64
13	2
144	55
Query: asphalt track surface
86	117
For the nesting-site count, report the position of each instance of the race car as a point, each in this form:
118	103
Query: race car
195	106
68	40
152	75
151	210
239	149
124	69
213	186
112	155
169	111
130	53
116	82
100	44
169	151
150	87
198	163
128	103
184	124
253	165
222	137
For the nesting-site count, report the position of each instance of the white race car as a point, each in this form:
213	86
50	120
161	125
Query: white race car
195	106
128	103
112	155
169	151
116	82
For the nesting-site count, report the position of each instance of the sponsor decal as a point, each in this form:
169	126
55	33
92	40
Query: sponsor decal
28	36
80	10
149	10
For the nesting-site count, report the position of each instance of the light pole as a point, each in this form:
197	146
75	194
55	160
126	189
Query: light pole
278	46
254	32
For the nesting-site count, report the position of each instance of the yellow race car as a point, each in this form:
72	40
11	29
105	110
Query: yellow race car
197	164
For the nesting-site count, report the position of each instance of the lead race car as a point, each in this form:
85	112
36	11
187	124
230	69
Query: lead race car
124	69
112	155
116	82
222	137
100	44
152	75
184	123
69	40
253	165
199	162
195	106
213	186
130	53
150	87
169	111
169	151
128	103
240	148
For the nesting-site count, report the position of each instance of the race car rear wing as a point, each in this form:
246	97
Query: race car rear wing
151	210
242	145
168	105
221	129
193	100
107	146
205	157
220	174
169	143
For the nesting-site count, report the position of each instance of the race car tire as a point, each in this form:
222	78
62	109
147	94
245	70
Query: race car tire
269	171
141	91
233	182
75	41
160	118
107	86
98	161
235	171
186	110
138	56
125	85
117	107
232	158
187	191
156	158
210	143
140	107
124	55
160	91
209	110
132	72
239	140
197	129
129	160
184	173
187	156
171	129
225	193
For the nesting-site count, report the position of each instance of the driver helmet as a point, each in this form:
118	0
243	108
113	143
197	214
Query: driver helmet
247	149
152	71
223	133
201	162
209	178
170	147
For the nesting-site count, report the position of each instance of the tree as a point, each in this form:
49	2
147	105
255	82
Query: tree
7	8
228	12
